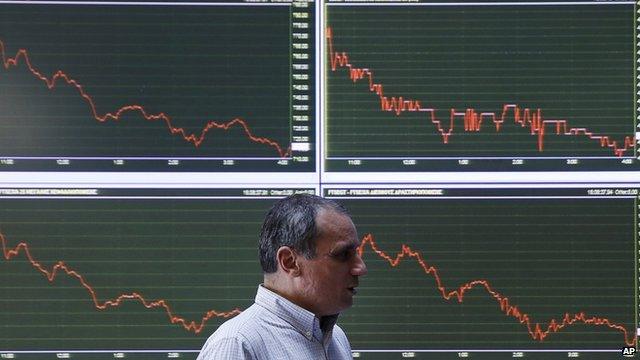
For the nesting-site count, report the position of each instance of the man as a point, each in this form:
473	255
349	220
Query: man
308	253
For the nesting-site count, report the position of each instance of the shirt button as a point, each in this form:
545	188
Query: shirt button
308	333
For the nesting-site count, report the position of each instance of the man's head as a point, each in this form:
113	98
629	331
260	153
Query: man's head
308	252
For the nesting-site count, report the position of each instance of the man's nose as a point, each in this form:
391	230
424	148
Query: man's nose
359	268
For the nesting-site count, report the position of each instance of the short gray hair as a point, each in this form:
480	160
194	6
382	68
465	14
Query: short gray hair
292	222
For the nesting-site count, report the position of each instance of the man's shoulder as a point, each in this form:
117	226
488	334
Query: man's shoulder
243	325
235	338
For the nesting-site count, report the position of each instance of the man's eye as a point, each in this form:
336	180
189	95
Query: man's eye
343	255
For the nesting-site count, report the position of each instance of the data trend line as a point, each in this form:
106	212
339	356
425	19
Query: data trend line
50	274
195	139
472	119
537	331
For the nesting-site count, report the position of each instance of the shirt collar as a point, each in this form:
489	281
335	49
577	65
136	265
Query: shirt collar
301	319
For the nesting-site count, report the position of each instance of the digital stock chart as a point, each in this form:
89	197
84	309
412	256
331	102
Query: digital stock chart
487	152
538	273
157	86
124	270
490	272
480	86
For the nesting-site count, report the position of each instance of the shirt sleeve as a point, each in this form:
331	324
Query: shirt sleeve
228	348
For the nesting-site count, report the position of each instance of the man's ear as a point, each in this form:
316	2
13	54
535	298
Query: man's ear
288	261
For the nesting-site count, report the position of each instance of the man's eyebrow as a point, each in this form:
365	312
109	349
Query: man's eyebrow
344	246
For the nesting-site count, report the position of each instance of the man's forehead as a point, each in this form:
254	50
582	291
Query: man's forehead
329	219
336	230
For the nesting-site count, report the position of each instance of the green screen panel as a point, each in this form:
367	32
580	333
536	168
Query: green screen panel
125	274
147	83
484	82
493	271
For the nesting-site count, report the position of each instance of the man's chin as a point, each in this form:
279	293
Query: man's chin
348	301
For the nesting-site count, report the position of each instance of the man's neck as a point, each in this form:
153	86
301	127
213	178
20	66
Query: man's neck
286	290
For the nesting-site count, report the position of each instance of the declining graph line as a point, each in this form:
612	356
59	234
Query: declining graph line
537	331
472	119
60	266
195	139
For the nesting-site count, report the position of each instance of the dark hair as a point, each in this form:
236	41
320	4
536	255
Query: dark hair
292	222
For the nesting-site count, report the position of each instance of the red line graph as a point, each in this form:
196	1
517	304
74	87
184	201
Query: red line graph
61	268
472	119
195	139
536	331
